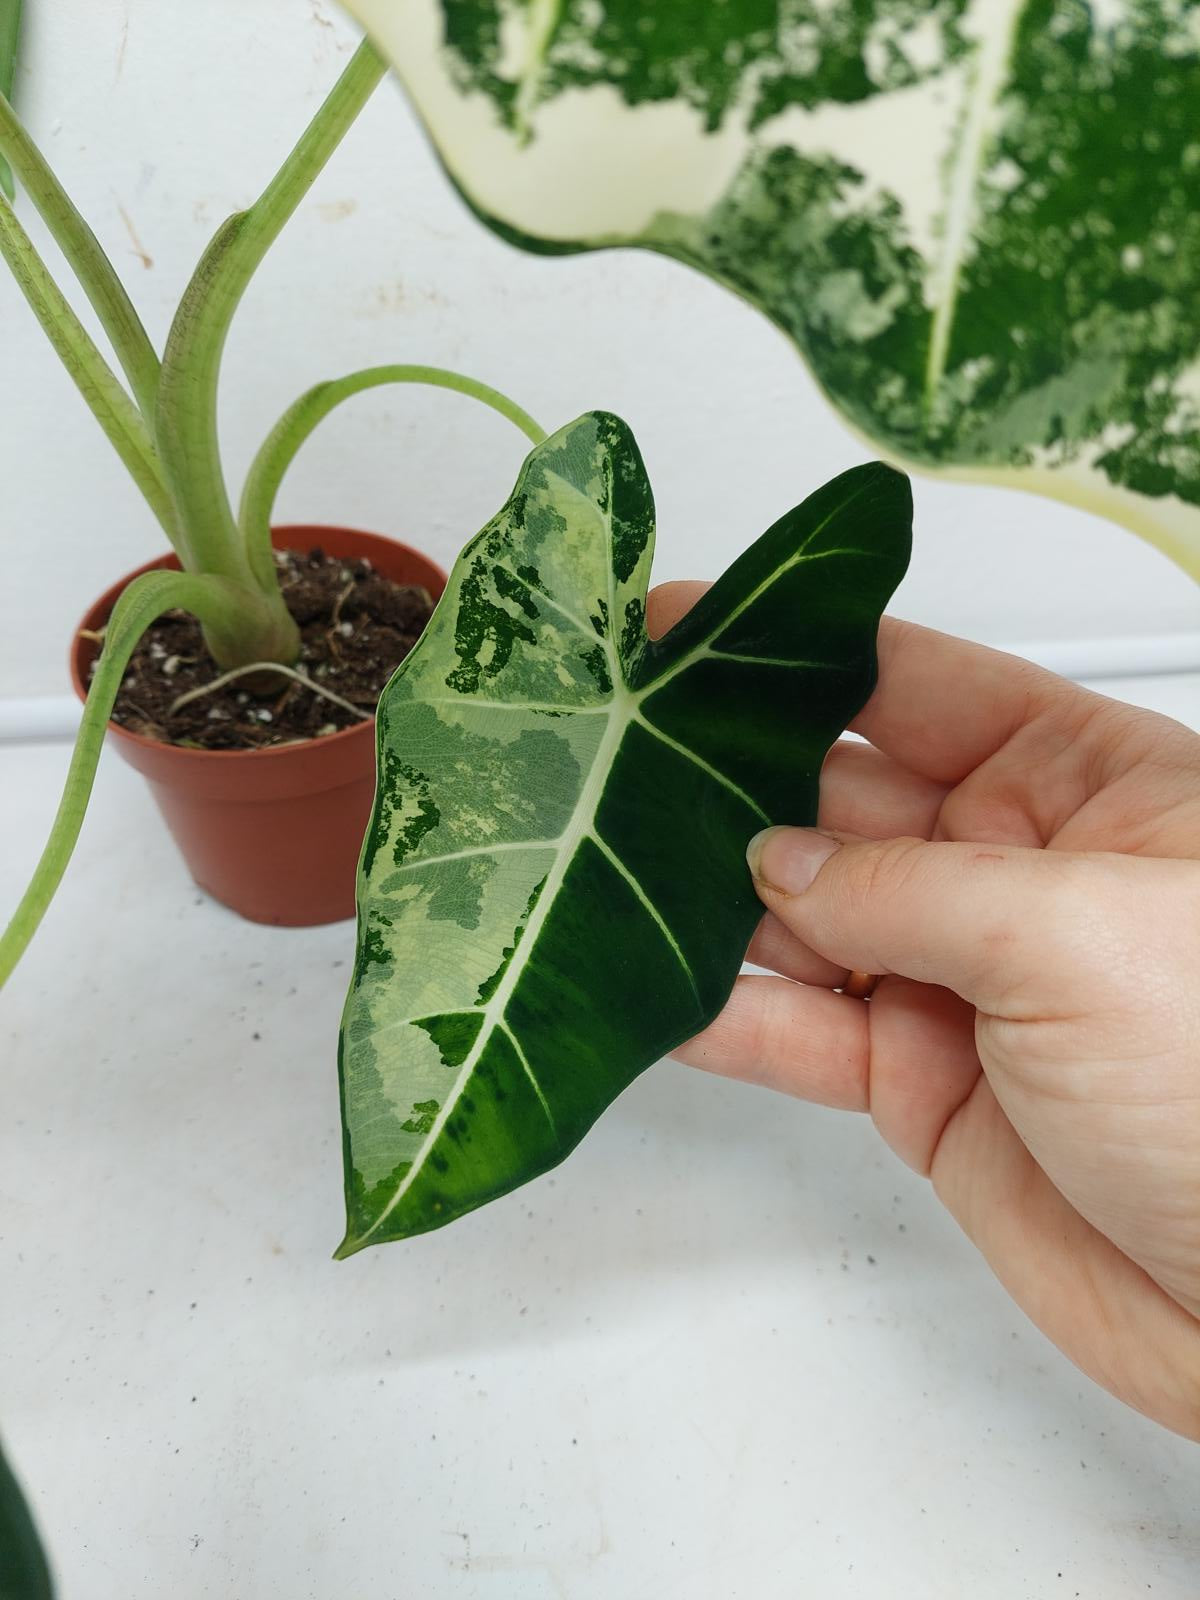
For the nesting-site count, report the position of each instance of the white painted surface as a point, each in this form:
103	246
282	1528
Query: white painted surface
731	1350
383	263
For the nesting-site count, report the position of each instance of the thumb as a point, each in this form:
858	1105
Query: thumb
1016	932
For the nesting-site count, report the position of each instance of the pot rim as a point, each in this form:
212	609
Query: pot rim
170	561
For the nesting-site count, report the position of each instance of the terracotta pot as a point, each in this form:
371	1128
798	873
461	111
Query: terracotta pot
273	834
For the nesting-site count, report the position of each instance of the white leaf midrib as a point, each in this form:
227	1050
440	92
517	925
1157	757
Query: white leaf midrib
541	22
998	21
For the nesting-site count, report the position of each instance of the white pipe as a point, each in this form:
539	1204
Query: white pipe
38	718
1130	656
49	717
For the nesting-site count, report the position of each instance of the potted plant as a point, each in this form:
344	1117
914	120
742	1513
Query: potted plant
492	1013
512	642
263	765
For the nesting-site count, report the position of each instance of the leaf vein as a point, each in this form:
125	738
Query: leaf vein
479	850
705	766
516	705
529	1073
656	915
564	611
799	558
766	661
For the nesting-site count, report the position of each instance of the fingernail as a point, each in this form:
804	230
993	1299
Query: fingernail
788	859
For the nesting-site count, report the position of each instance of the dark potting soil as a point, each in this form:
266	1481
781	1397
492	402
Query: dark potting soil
355	625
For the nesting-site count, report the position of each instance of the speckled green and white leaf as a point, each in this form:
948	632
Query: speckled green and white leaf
979	220
553	890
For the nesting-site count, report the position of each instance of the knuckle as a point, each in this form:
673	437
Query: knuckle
880	870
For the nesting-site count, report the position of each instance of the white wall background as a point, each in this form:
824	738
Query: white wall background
161	119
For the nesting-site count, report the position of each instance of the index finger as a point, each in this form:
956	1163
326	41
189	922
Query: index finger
670	601
942	706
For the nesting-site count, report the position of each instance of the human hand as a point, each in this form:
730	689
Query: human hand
1020	860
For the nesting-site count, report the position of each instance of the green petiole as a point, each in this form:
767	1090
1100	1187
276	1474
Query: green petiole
187	401
215	602
299	421
124	426
10	38
85	256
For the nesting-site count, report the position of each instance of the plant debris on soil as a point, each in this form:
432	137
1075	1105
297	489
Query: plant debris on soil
356	628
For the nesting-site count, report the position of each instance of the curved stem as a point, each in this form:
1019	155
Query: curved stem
257	667
212	600
112	408
186	421
85	256
299	421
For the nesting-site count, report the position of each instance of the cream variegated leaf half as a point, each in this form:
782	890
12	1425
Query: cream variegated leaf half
979	220
553	890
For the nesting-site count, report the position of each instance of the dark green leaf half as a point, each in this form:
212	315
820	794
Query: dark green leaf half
979	221
553	890
23	1571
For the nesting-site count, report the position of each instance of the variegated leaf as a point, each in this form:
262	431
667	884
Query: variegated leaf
979	220
553	890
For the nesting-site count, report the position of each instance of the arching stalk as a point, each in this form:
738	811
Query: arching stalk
85	257
299	421
10	38
187	403
215	602
122	422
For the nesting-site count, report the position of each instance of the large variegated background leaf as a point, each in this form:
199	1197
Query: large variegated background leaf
553	889
979	220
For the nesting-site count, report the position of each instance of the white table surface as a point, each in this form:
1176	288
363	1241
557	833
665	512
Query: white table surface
732	1348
